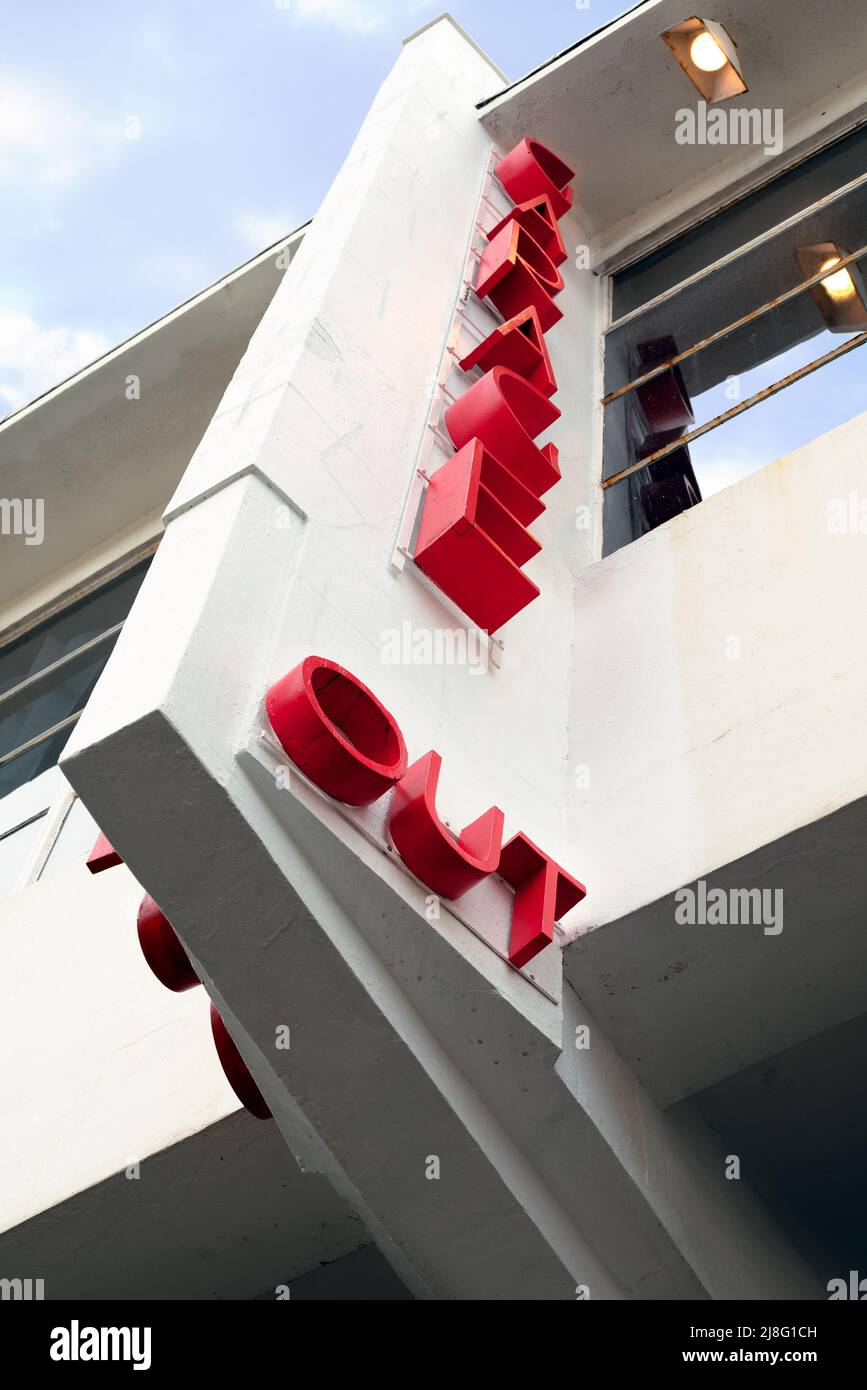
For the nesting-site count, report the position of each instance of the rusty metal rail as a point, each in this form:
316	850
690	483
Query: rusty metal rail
733	327
739	409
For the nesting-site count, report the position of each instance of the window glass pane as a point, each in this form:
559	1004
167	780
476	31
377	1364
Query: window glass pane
32	763
61	693
70	629
30	799
75	840
776	340
754	279
14	849
56	695
781	424
767	207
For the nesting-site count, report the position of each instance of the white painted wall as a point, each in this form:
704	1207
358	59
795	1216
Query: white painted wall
102	1065
697	757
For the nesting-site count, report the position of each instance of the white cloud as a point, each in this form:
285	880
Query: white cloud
33	358
259	230
46	139
352	16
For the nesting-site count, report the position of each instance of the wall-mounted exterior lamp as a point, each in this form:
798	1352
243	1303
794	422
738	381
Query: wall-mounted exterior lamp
841	296
708	56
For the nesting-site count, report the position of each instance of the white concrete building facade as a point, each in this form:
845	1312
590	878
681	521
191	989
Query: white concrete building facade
661	1101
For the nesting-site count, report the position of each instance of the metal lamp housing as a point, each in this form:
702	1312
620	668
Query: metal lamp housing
727	81
840	315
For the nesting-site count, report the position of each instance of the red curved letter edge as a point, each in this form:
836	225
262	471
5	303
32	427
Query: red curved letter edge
520	345
447	865
543	894
102	856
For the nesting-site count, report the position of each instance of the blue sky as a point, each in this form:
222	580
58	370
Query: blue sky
147	149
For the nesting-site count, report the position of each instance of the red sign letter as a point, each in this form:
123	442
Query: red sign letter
337	732
543	894
531	170
514	273
162	950
102	856
236	1071
448	865
519	345
506	413
470	544
537	217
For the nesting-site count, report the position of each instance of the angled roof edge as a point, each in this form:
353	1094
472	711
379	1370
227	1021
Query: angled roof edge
450	19
16	415
580	43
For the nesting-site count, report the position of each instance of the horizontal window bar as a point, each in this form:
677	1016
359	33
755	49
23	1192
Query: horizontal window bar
738	409
22	825
91	586
839	264
786	225
40	738
60	663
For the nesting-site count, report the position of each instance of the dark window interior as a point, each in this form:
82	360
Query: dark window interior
744	361
27	714
751	216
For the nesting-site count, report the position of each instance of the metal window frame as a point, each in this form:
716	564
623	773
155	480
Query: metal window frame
54	816
22	855
720	333
40	738
58	815
60	796
788	222
57	665
769	391
23	824
52	807
97	580
729	197
738	409
37	677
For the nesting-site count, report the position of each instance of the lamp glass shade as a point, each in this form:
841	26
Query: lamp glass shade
841	296
708	55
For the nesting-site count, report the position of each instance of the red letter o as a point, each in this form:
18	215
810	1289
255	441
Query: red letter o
162	949
236	1071
337	732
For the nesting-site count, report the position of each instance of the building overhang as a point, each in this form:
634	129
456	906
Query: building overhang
225	1213
609	104
691	1005
109	445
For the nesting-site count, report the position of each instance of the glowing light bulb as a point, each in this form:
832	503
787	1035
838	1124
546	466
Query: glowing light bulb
706	53
839	286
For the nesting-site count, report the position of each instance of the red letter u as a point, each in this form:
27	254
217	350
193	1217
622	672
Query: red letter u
448	865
